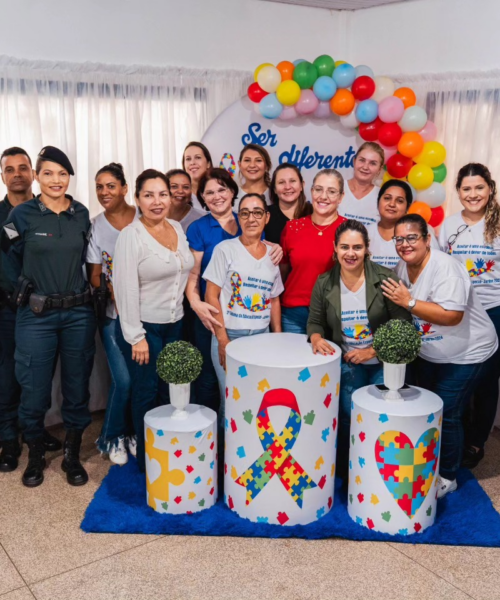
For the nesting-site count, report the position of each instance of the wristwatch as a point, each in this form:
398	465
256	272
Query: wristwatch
411	304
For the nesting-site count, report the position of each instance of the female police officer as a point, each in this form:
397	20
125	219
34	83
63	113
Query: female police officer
44	241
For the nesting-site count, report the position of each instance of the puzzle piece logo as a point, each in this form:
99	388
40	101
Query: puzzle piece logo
408	471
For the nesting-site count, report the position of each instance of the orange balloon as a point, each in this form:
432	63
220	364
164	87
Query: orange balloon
343	102
410	144
407	95
285	67
422	209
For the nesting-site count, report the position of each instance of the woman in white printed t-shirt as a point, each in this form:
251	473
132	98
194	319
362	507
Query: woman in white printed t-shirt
243	285
394	200
181	209
196	160
457	334
117	434
473	237
360	194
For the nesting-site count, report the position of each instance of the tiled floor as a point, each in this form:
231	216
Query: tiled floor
45	555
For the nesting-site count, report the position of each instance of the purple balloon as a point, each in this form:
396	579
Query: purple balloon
288	113
323	111
391	109
307	103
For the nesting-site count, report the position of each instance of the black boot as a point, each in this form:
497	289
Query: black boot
11	451
33	475
52	444
71	465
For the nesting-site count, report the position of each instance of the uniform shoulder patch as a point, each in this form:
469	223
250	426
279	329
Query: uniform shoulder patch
11	231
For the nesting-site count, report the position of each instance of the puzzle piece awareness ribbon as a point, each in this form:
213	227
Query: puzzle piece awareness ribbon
276	458
236	284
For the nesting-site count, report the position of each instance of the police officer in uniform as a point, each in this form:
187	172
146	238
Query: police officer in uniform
17	175
44	242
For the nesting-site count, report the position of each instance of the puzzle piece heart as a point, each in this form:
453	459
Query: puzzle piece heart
407	470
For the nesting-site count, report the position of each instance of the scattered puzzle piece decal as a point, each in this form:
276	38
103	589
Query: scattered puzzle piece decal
178	453
198	434
370	524
386	516
322	481
324	380
189	469
325	433
262	519
309	418
236	394
174	441
234	473
358	480
201	457
191	495
192	449
328	400
248	416
164	505
160	433
304	375
362	436
359	418
320	512
201	502
374	500
242	371
383	418
330	502
263	385
319	463
282	518
234	427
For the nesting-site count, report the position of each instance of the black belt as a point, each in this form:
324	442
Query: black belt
40	303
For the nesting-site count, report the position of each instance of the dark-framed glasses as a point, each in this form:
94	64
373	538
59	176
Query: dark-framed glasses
258	213
453	237
411	239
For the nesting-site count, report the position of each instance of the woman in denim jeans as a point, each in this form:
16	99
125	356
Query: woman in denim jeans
111	188
347	307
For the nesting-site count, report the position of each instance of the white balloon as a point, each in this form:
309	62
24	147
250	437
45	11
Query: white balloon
269	79
414	119
434	195
350	121
364	70
384	87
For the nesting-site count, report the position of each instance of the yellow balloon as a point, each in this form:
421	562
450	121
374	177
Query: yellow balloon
388	177
288	92
421	176
340	62
258	69
433	155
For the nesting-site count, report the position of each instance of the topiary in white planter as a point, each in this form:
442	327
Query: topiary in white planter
179	364
396	343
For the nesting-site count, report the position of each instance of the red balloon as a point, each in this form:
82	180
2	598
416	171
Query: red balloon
363	87
369	131
256	93
389	134
437	216
399	166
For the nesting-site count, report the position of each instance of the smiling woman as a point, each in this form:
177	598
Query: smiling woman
196	160
255	166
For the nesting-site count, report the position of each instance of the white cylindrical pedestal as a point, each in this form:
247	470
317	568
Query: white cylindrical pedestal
394	460
181	459
281	429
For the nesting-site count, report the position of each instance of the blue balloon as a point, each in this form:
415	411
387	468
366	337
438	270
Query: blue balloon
270	107
344	75
364	70
324	88
367	111
298	61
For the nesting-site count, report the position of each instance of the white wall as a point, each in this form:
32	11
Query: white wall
238	34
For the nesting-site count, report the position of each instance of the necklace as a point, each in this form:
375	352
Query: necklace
320	231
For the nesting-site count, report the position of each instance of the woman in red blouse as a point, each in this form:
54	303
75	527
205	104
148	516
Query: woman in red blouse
308	249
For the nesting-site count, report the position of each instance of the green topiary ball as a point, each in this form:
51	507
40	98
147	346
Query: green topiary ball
179	362
397	342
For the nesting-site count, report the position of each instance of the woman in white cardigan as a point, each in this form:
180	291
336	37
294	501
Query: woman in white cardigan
152	262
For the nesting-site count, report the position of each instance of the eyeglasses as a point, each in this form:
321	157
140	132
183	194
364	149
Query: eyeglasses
211	194
411	239
258	213
453	238
330	194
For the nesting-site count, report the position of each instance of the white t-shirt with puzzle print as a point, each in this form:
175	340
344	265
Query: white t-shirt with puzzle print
356	330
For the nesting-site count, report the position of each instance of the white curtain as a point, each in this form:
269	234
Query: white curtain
466	110
141	117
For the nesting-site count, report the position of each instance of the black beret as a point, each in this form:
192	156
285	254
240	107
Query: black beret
55	155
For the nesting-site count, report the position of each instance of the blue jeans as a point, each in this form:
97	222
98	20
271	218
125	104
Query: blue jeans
481	419
117	420
147	389
10	390
352	377
454	384
206	386
294	320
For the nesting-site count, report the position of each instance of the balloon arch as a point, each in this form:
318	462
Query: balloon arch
335	89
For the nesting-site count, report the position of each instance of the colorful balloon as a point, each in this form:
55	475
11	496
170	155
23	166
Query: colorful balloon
285	67
307	103
342	103
433	155
391	109
366	111
270	107
344	75
349	121
324	87
340	62
406	95
429	132
364	70
420	177
439	173
420	208
269	79
388	177
399	166
363	87
288	93
434	195
323	111
288	113
437	216
305	74
384	87
369	131
259	69
388	150
298	61
390	134
325	65
410	144
255	92
414	119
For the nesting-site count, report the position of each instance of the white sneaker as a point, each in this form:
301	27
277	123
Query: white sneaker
132	445
118	454
445	486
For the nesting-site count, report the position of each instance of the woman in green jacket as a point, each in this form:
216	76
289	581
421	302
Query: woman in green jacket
347	307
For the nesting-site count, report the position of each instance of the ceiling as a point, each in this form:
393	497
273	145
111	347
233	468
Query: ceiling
339	4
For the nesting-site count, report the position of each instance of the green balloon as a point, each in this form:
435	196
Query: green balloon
325	65
305	74
440	173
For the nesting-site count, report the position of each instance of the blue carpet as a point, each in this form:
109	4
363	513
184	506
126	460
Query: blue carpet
464	518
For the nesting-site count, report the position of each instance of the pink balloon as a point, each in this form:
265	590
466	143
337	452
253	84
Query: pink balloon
288	113
307	103
428	132
323	111
389	151
391	109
